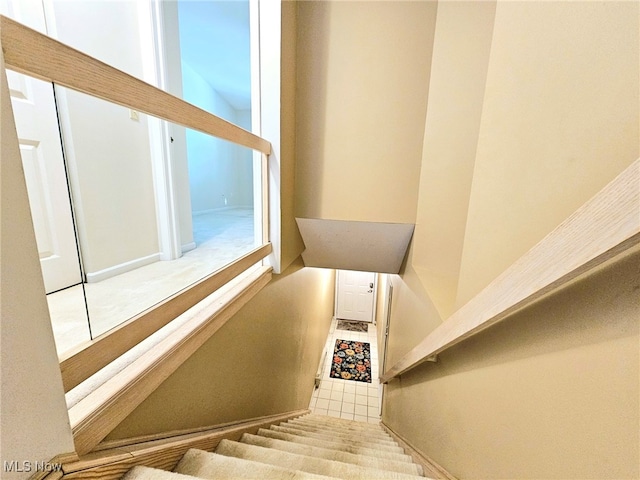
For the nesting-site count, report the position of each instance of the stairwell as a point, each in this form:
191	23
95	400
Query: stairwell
307	447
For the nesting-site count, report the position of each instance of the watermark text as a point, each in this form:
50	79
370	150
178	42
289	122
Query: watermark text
30	466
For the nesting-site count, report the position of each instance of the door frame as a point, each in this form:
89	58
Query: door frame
160	138
384	349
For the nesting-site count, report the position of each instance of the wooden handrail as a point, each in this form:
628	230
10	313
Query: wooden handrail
604	227
86	359
32	53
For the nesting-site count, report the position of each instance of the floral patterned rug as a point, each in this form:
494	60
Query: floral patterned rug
351	361
353	326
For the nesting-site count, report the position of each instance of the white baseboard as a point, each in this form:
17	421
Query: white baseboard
220	209
100	275
188	247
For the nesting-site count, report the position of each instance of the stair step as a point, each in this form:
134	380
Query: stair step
147	473
342	431
305	463
328	454
326	420
348	429
212	466
323	434
343	446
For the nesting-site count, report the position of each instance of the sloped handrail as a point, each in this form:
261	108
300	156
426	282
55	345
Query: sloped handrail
604	227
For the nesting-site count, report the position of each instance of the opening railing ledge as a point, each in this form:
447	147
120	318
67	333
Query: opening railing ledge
31	53
606	226
35	54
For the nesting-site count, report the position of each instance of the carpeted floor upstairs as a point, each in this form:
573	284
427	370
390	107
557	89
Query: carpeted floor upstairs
308	447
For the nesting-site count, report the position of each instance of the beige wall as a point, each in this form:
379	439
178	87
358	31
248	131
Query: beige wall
107	152
34	425
559	121
363	76
262	362
552	392
413	313
292	245
459	67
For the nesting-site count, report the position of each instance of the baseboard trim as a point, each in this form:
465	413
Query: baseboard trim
224	208
121	268
430	467
187	247
164	450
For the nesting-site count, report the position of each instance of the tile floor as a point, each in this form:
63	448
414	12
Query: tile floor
347	398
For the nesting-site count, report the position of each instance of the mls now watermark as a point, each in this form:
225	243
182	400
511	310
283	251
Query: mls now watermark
29	466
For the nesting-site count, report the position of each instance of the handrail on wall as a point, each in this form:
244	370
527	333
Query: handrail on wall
604	227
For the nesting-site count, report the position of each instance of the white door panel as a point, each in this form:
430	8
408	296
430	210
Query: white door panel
38	135
356	293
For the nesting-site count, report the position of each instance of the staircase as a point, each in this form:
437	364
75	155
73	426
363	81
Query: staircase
307	447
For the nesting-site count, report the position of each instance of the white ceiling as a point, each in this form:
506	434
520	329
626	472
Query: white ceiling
350	245
214	41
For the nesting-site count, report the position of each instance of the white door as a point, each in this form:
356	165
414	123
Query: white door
355	295
36	123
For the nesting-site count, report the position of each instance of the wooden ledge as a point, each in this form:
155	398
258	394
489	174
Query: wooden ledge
604	227
85	360
93	417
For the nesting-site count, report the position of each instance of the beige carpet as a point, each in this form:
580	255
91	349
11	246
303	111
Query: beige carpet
221	237
309	447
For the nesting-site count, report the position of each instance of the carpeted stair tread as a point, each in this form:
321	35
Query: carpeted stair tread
350	430
333	435
212	466
332	438
340	445
325	419
306	463
377	435
346	424
328	454
147	473
339	422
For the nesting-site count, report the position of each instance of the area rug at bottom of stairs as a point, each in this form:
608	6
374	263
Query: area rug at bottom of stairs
351	361
353	326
